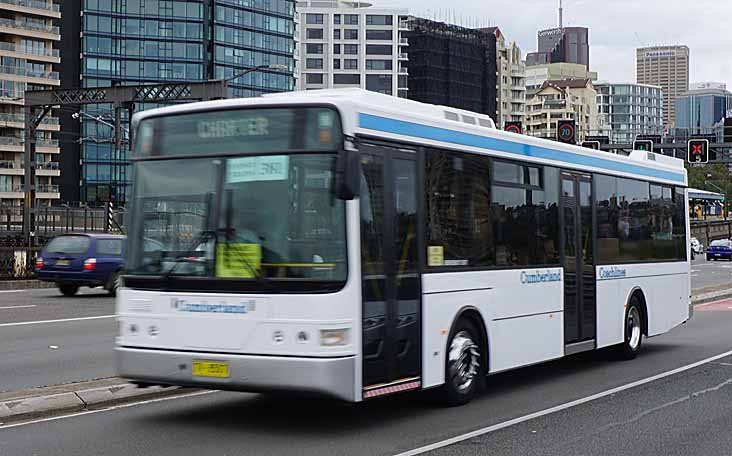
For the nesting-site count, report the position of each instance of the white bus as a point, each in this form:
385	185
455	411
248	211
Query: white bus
353	244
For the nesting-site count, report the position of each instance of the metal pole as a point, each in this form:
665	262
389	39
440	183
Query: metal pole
29	188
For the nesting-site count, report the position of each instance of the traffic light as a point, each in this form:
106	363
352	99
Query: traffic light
591	145
698	151
513	127
643	144
566	131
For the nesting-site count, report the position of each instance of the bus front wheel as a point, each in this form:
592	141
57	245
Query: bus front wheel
464	370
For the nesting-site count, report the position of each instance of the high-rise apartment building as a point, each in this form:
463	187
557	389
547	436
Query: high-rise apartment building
667	67
564	44
573	99
452	66
352	44
29	36
629	110
510	79
156	41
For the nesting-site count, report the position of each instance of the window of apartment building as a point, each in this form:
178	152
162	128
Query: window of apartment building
313	18
336	49
378	19
378	64
314	78
315	33
314	48
336	19
350	19
351	79
350	64
350	34
314	64
379	83
378	49
337	34
351	49
336	64
380	35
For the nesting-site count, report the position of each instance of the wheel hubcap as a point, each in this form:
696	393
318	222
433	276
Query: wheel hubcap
634	328
463	360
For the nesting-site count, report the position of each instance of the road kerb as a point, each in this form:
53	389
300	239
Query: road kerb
711	296
81	396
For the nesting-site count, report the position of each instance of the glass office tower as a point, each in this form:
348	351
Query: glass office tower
127	42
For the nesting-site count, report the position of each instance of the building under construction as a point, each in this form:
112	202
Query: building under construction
452	66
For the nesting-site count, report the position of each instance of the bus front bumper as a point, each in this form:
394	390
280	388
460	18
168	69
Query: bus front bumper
334	377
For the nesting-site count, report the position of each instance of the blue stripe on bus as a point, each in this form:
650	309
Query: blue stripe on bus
400	127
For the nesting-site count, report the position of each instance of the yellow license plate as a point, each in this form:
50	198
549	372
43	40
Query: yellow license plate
210	369
63	263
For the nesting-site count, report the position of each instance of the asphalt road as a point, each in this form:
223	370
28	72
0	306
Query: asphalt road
48	339
686	413
710	273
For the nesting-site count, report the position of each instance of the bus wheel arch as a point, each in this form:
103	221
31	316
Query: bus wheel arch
638	294
635	325
467	325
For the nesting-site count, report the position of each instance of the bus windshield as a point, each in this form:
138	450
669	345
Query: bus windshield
257	218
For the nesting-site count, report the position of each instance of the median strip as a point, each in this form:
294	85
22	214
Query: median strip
74	397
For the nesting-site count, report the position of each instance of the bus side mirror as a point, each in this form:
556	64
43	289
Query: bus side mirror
347	182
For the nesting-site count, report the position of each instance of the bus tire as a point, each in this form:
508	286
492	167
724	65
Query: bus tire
464	369
633	330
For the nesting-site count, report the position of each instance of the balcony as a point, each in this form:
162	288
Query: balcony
404	26
12	144
46	55
35	4
11	168
47	191
18	121
403	42
403	56
51	32
50	169
404	71
43	77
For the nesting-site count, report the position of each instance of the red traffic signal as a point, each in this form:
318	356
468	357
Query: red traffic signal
566	132
698	151
513	127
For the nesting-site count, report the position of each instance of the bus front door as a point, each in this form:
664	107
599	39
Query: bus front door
579	263
391	281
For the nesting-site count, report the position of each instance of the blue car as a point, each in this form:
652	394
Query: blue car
82	260
720	250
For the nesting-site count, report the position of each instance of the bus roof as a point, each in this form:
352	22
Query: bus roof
382	116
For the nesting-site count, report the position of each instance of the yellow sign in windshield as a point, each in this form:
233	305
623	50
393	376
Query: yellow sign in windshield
238	260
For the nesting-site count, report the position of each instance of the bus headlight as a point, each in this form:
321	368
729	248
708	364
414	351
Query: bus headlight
333	337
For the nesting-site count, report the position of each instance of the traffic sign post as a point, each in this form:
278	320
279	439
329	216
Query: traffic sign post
698	151
566	132
513	127
643	144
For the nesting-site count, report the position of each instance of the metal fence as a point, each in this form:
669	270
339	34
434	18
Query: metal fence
53	221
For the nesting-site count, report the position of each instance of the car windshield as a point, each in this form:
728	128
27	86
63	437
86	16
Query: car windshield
721	243
270	216
71	245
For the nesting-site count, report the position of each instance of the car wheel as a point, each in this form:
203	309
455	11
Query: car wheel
464	370
114	284
67	289
633	338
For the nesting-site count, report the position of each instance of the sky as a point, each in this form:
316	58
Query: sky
617	28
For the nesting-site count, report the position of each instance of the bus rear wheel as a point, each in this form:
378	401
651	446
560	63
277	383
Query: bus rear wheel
464	370
633	338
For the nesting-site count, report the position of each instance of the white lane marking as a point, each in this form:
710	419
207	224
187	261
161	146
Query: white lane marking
109	409
558	408
40	322
18	307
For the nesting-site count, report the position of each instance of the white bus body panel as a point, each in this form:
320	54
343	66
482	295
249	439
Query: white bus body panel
524	321
156	327
666	289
